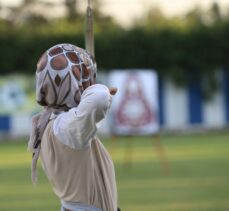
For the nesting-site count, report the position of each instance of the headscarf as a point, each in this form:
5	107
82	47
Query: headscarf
63	72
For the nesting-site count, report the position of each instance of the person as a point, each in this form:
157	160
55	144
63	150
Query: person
76	163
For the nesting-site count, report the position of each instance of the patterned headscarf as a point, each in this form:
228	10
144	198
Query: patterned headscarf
63	72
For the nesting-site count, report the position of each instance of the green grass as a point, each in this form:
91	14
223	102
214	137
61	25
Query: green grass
197	178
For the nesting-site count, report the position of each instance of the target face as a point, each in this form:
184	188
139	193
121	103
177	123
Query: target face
135	108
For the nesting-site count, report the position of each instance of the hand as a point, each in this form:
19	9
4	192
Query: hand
113	90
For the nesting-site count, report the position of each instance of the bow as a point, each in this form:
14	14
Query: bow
89	35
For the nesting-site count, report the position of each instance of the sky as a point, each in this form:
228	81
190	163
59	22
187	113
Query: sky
126	11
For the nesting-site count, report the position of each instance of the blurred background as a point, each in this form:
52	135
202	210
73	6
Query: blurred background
169	58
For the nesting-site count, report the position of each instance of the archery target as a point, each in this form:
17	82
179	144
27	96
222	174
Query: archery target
134	109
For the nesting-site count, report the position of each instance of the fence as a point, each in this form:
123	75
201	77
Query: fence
180	109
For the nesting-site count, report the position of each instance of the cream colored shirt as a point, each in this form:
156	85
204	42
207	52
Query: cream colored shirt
75	161
78	126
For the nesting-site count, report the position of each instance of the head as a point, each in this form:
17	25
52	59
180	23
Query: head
63	72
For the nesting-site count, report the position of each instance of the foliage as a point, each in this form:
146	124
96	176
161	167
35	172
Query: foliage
178	47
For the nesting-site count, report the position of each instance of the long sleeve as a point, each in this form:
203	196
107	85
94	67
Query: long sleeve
76	127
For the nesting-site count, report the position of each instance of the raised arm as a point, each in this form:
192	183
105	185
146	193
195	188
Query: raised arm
76	127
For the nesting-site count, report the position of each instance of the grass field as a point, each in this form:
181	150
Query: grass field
198	179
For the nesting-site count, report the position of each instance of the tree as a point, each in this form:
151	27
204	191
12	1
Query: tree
71	6
195	17
215	12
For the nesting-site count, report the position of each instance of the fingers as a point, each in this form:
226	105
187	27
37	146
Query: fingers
113	90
